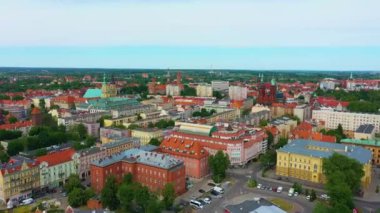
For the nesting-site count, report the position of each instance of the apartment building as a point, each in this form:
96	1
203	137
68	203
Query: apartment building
350	121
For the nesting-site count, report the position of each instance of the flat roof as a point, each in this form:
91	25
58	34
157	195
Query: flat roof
361	142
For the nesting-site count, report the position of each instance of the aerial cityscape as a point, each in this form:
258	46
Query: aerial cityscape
190	106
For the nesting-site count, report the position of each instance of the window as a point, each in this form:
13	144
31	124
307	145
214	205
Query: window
315	167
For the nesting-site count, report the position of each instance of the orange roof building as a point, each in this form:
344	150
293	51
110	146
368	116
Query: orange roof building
195	157
56	167
305	131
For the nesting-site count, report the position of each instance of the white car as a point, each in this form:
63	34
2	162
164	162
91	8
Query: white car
207	200
308	197
259	186
295	194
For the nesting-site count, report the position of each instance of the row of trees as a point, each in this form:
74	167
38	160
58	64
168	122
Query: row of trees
78	195
44	136
360	101
130	196
204	113
338	133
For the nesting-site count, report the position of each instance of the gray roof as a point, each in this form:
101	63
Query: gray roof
89	151
305	147
249	206
140	156
121	141
149	148
365	128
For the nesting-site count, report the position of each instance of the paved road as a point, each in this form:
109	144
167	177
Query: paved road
239	189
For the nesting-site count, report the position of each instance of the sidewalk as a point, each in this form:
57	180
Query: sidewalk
369	196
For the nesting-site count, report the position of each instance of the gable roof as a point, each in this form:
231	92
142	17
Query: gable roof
93	93
58	157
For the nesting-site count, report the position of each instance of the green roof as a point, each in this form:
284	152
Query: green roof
361	142
109	103
93	93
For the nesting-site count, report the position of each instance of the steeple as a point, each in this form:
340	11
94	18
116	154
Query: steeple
104	79
273	81
351	77
262	78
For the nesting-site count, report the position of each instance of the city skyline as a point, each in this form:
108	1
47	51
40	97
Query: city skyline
301	35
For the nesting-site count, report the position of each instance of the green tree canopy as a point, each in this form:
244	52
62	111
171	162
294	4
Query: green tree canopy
168	194
219	163
72	183
155	142
109	194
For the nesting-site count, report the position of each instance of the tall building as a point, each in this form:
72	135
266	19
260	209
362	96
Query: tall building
151	169
267	92
237	93
204	90
350	121
173	90
328	84
108	89
220	86
303	159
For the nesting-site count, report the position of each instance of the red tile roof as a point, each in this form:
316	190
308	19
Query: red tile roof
16	125
330	102
58	157
35	111
183	147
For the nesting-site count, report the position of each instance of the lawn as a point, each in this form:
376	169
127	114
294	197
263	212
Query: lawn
283	204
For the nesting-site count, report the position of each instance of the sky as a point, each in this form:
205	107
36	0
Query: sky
201	34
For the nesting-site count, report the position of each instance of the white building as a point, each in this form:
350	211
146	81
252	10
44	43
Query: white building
327	84
350	121
204	90
303	112
237	93
173	90
220	85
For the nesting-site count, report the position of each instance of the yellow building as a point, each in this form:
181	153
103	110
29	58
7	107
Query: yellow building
108	90
303	159
18	179
145	135
285	125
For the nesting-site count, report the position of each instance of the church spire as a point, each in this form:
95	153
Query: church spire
351	77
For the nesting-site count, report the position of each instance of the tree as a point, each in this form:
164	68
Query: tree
72	183
219	164
281	142
76	197
150	125
217	94
126	195
168	194
41	105
133	126
12	119
343	175
16	146
263	123
4	157
313	195
142	197
109	194
9	134
252	183
270	138
268	159
128	178
297	187
154	141
17	98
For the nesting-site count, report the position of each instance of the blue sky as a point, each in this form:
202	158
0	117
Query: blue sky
223	34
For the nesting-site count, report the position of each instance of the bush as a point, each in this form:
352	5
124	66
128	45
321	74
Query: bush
252	183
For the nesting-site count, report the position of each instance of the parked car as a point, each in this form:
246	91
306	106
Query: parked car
207	200
279	189
295	194
216	194
325	196
196	204
259	186
308	197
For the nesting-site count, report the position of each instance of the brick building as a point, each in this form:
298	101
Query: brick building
191	152
151	169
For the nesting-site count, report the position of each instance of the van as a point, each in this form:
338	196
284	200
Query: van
27	201
196	204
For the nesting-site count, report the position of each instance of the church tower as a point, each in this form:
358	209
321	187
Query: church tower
108	89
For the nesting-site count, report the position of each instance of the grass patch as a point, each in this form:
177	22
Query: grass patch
283	204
